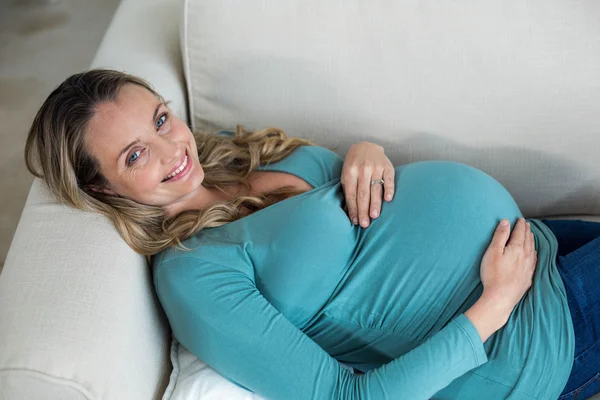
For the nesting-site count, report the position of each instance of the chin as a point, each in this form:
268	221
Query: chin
194	183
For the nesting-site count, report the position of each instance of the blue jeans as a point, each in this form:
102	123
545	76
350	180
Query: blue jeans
578	262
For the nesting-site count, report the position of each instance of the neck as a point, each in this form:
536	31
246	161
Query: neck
201	198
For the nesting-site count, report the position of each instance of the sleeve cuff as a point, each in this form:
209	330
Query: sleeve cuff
467	327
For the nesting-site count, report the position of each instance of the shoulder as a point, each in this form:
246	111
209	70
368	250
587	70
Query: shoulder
184	277
320	163
319	151
202	257
174	254
327	162
207	258
171	266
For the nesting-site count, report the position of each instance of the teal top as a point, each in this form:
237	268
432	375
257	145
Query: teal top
274	300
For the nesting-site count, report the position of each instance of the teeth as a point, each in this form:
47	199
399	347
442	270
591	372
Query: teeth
178	170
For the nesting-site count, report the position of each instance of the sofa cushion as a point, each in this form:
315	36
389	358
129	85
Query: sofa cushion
510	88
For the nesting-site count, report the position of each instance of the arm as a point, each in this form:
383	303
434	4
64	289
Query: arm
219	315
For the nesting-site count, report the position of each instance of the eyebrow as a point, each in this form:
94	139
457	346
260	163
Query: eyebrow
126	148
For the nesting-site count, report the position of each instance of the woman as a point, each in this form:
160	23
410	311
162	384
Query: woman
263	276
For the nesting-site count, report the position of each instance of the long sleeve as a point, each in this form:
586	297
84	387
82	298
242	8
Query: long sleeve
218	314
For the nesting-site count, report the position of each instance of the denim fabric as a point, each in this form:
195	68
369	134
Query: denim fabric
578	262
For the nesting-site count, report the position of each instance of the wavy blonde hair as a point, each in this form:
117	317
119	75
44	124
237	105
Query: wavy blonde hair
55	152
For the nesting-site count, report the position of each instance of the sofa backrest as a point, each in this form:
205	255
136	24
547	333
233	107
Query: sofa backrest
512	88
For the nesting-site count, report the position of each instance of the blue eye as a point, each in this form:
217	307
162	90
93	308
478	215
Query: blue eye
161	121
131	158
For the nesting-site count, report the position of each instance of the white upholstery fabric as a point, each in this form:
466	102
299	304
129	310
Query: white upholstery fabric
143	40
78	314
77	310
512	88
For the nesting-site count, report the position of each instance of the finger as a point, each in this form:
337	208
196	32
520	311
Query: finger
388	176
533	251
364	197
532	238
350	188
534	261
533	264
528	245
376	196
501	235
517	237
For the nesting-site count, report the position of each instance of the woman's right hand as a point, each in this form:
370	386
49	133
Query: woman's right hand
506	273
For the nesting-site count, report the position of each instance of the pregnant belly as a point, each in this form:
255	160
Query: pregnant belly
418	263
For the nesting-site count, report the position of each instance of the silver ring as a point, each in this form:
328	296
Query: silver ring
376	181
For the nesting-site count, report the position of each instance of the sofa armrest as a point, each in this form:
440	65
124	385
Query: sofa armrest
78	315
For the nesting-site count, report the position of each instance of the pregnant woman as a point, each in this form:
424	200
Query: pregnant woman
447	293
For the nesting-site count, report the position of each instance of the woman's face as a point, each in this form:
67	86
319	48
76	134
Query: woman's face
144	151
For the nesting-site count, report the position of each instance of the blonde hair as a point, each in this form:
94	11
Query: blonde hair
55	152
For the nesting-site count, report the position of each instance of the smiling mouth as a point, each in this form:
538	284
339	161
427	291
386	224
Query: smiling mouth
179	169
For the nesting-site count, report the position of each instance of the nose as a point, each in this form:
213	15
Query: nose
168	151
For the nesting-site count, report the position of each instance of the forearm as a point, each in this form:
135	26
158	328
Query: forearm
487	315
428	368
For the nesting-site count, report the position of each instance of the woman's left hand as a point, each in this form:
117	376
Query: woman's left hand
364	163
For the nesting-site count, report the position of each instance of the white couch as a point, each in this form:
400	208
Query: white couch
511	88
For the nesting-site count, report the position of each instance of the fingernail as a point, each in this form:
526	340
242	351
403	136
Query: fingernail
354	220
364	222
374	213
504	223
388	196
